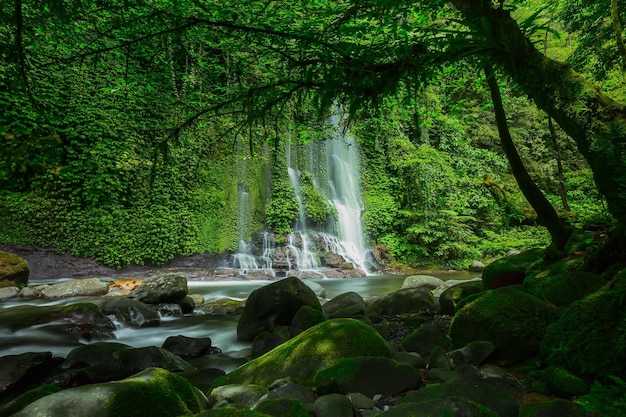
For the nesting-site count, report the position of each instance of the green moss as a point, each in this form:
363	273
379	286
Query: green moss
312	350
564	288
556	380
590	336
283	407
514	321
232	412
510	270
154	392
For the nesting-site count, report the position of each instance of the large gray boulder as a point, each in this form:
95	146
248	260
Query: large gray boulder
274	305
14	270
349	304
407	300
165	288
131	312
87	287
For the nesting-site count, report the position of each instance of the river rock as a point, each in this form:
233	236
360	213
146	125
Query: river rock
333	405
510	270
188	347
273	305
452	295
476	266
86	287
349	304
428	281
444	398
513	320
314	349
287	407
108	361
6	293
131	312
472	354
241	395
407	300
87	321
24	371
319	291
165	288
14	270
368	376
153	392
425	339
223	307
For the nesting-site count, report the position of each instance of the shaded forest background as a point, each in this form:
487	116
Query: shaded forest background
128	128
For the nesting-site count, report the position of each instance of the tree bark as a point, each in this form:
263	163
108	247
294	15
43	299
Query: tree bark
595	122
617	28
546	213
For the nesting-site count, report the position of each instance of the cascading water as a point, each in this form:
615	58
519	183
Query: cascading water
243	260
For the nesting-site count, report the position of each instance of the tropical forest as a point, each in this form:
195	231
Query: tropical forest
313	208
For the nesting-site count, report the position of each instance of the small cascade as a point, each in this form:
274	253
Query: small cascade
299	246
269	243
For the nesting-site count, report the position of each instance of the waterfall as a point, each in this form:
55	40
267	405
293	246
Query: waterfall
343	167
243	260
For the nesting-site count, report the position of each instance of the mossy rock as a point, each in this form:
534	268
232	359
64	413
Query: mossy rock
448	407
450	297
487	397
556	380
554	407
369	376
274	305
154	392
510	270
513	320
314	349
425	339
282	407
14	269
590	336
562	289
404	301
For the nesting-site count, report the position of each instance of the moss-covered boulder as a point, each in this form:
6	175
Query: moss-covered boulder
14	270
9	408
369	376
154	392
513	320
488	400
425	339
510	270
590	336
451	296
283	407
231	412
274	305
556	380
404	301
448	407
563	288
555	407
315	349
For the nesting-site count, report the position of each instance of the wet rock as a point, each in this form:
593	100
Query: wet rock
14	270
368	376
87	321
188	347
6	293
131	312
187	305
87	287
553	407
22	372
28	292
286	388
165	288
170	310
349	304
408	300
109	361
282	407
476	266
319	291
156	392
223	307
306	317
273	305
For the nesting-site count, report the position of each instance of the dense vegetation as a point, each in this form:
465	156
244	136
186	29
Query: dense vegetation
129	129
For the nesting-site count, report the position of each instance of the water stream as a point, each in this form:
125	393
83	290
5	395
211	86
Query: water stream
19	331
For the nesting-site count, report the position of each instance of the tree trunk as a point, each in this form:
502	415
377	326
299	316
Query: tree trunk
595	122
559	165
546	214
617	28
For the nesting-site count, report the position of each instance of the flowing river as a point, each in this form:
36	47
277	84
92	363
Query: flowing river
21	331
